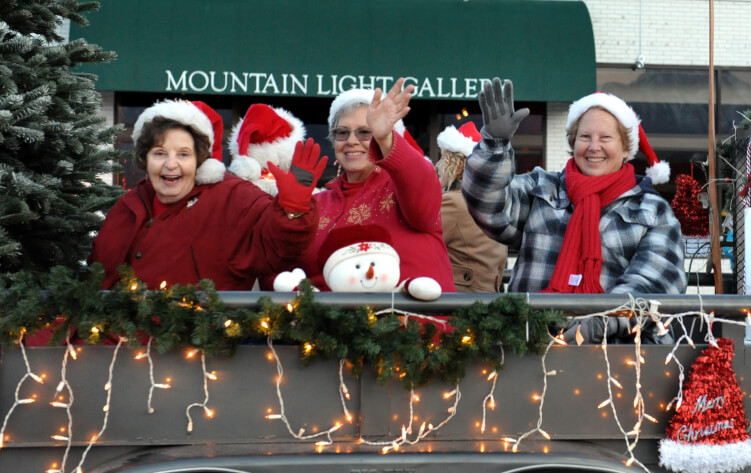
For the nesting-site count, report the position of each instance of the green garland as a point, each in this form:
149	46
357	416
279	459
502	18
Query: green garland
196	316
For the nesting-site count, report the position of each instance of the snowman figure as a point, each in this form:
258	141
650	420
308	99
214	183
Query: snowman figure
360	258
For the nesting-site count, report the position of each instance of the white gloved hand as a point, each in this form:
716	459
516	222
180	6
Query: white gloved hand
423	288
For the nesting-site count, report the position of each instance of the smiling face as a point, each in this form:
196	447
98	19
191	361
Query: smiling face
599	147
376	272
171	165
352	154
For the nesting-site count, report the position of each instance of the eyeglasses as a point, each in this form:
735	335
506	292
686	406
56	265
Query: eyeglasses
342	134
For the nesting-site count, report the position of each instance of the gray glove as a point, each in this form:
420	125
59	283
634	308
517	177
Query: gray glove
499	119
592	329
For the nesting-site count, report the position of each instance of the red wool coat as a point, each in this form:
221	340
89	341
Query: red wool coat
231	232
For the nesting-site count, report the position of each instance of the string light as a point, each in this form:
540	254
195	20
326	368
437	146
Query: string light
106	407
204	404
538	428
425	428
406	315
153	384
489	400
17	398
639	312
300	434
344	392
65	385
635	306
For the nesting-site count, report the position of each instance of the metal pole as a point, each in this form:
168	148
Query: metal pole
571	304
715	210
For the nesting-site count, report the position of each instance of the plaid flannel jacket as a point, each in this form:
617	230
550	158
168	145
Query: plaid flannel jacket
642	248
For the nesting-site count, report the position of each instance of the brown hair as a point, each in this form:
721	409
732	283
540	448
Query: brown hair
622	131
153	135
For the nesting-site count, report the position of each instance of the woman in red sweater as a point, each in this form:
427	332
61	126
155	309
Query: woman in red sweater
385	181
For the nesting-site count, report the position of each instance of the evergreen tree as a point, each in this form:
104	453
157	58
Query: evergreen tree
54	142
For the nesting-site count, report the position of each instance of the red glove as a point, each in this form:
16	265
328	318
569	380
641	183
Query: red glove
296	186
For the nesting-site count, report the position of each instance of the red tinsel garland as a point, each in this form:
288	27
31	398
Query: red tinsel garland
688	210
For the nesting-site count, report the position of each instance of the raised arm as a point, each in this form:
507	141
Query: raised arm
386	110
498	202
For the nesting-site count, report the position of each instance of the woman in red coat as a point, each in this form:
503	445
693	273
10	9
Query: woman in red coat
188	220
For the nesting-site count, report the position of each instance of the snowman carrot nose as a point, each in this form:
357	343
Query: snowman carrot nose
370	273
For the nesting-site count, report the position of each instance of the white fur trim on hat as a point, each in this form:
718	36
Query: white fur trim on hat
356	249
348	98
279	152
179	110
704	458
245	167
210	172
354	97
250	170
453	140
617	107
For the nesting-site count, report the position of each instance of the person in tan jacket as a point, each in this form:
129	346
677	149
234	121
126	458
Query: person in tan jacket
477	260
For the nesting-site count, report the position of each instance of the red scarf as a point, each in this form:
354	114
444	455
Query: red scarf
580	261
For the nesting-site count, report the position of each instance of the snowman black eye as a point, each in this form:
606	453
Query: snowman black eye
357	266
372	263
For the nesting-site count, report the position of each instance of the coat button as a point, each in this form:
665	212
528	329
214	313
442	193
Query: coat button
138	255
467	277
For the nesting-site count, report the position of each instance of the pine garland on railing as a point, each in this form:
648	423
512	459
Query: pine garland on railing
195	315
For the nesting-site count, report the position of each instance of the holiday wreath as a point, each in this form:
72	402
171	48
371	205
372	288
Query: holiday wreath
177	316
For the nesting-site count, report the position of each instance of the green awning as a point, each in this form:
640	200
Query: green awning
319	47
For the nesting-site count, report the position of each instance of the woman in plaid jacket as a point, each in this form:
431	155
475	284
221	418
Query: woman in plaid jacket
595	227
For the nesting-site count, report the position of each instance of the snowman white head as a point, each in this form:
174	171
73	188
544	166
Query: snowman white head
360	258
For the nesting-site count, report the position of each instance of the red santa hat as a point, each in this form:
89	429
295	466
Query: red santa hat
461	141
343	243
264	135
708	432
658	171
202	119
356	97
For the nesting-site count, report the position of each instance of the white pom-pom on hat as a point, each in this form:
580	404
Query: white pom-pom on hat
658	171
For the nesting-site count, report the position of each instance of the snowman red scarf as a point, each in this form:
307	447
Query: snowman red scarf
580	261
